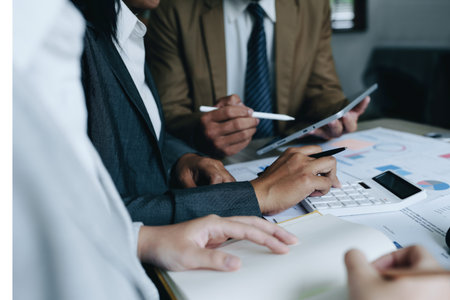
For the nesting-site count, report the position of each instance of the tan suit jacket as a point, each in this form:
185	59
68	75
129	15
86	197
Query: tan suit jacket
186	42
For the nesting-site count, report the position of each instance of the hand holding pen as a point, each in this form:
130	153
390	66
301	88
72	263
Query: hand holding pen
322	154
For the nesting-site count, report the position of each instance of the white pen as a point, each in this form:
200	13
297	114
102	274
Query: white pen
259	115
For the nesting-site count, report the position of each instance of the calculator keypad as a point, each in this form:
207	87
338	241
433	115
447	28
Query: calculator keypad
349	195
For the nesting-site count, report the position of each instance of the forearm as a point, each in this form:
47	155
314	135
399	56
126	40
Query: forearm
228	199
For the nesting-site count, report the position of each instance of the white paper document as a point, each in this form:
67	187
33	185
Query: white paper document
421	160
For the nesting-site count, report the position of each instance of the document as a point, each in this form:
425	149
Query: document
425	223
312	267
421	160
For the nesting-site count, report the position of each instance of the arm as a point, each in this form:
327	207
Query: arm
290	179
191	245
228	199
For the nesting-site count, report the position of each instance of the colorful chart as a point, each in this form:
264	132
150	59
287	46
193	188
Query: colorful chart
352	144
445	155
356	155
389	147
395	169
433	185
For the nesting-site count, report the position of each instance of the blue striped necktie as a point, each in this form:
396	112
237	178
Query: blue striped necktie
258	87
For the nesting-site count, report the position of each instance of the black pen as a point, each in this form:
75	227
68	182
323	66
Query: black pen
328	152
322	154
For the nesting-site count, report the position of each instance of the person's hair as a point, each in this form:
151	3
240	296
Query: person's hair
101	14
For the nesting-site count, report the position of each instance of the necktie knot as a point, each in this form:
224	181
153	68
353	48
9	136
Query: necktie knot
256	11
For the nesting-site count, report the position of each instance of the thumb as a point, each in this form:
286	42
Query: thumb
214	260
358	268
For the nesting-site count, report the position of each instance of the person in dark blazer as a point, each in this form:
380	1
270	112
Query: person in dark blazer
142	161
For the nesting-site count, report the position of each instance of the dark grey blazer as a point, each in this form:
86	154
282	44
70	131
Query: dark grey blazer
120	128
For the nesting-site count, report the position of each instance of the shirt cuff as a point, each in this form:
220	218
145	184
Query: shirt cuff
136	228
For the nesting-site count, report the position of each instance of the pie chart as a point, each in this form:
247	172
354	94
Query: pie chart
433	185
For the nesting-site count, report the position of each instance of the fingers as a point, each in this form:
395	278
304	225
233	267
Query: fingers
229	100
326	167
358	268
233	143
220	175
350	122
201	258
411	257
350	119
320	184
230	112
235	148
272	229
306	150
241	231
361	107
229	132
335	128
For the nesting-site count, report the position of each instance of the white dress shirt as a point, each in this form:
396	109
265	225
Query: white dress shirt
238	27
130	36
73	237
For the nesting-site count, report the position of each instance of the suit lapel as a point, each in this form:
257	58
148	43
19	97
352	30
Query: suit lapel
213	32
122	75
285	38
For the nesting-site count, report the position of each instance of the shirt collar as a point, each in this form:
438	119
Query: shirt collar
128	24
234	8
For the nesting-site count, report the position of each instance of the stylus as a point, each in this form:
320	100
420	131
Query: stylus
259	115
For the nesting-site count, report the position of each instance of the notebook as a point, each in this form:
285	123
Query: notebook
313	267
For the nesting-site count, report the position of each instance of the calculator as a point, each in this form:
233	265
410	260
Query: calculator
382	193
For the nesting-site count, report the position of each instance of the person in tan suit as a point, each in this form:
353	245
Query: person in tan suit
199	54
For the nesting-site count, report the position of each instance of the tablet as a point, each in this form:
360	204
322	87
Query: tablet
281	141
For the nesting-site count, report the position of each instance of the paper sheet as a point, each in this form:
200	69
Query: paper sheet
424	161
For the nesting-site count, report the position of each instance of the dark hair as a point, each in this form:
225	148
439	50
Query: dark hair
101	14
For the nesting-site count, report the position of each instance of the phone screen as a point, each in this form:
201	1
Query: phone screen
396	185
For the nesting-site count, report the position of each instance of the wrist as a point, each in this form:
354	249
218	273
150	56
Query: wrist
146	243
261	194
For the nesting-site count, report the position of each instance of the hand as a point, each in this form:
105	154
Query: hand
228	129
193	170
189	245
348	123
366	282
293	177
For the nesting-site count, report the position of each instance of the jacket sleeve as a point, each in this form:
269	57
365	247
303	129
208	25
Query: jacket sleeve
166	61
175	148
175	206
